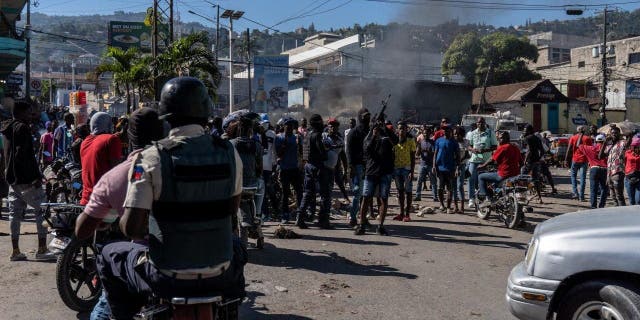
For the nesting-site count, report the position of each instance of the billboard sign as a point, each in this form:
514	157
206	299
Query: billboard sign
270	83
633	89
125	35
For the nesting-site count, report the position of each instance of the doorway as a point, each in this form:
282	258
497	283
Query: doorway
552	117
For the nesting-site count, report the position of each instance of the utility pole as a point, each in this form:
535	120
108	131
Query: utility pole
605	71
249	67
483	99
217	32
232	15
170	21
154	52
27	62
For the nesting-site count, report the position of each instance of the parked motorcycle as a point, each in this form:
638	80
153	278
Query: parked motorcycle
250	222
63	181
508	200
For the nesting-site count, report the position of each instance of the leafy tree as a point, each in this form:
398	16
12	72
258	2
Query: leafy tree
123	66
462	55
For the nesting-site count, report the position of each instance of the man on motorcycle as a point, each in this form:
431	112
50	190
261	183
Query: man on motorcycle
107	198
183	192
508	159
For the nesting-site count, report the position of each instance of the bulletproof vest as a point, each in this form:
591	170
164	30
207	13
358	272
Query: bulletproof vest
190	226
248	150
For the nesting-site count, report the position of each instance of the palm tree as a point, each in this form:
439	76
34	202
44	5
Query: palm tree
190	56
125	68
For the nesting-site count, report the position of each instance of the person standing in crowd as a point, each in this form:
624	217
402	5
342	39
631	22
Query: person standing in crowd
404	165
100	151
356	159
82	132
445	166
45	154
593	131
532	157
191	249
216	127
24	178
632	170
352	125
63	136
578	162
508	159
440	133
424	150
463	156
107	199
336	158
378	152
315	175
482	142
286	145
614	151
268	162
597	172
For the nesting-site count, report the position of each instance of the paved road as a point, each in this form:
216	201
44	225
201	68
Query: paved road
443	266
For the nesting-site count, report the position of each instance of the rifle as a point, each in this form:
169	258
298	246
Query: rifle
384	103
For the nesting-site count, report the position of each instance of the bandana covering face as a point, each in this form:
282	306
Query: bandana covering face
101	123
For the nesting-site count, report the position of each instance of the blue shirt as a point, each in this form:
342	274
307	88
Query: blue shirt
446	149
289	159
64	138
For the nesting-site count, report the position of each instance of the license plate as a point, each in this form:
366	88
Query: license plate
60	243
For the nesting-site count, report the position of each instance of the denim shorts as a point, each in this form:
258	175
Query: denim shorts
402	178
377	186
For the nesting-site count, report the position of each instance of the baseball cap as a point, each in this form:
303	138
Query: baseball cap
600	138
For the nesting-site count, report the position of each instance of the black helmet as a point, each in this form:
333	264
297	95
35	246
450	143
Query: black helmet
186	97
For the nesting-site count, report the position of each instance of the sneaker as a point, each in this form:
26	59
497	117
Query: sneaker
353	223
44	254
399	217
382	231
450	211
443	209
406	219
471	203
17	256
417	198
574	196
360	230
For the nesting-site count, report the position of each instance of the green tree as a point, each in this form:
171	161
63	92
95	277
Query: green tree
462	55
123	65
189	56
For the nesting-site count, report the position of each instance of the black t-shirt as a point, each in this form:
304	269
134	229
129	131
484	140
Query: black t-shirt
534	145
21	164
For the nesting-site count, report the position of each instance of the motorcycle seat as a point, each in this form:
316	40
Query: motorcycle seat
195	300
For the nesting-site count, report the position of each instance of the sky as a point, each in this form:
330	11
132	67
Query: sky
287	15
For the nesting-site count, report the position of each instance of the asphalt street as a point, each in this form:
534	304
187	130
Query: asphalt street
441	266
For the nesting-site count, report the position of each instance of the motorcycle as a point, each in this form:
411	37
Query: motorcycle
214	307
250	222
63	181
508	200
77	277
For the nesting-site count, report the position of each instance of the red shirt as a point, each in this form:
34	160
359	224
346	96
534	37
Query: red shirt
438	134
97	155
633	162
578	155
508	158
591	152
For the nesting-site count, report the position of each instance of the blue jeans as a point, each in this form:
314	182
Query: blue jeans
598	186
317	179
575	168
473	179
101	310
377	186
425	171
458	190
356	188
485	178
633	191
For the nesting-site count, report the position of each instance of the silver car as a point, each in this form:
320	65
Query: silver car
580	266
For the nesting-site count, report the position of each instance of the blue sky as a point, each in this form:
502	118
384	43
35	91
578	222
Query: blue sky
332	13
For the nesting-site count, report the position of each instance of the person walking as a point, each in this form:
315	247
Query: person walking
63	137
614	151
632	170
597	172
577	161
356	160
463	156
45	154
482	142
445	165
424	150
24	178
286	146
404	165
268	163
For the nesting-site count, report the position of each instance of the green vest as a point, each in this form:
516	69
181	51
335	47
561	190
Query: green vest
190	226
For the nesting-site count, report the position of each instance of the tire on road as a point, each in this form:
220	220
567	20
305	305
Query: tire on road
514	217
623	298
68	272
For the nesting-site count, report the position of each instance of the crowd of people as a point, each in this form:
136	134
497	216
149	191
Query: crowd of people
146	169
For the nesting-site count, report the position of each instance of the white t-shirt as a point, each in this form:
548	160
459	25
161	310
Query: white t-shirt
269	155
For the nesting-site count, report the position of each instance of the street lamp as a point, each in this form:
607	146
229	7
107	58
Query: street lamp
73	75
231	15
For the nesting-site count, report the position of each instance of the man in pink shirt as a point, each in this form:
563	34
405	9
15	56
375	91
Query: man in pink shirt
46	146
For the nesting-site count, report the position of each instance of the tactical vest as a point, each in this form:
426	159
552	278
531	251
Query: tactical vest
190	226
306	146
248	150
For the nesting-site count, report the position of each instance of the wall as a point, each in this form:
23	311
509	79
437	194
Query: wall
566	112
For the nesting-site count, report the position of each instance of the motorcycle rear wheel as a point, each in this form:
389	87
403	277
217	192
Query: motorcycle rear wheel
75	269
513	214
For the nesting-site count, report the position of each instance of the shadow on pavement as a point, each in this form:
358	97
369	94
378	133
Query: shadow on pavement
83	315
445	235
250	310
347	240
320	261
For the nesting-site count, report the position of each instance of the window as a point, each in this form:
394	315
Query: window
581	64
566	55
611	61
555	55
634	57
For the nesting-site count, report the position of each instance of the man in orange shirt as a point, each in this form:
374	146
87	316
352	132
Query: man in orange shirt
578	161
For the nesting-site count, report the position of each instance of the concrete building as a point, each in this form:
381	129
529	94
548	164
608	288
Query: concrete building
12	42
555	48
